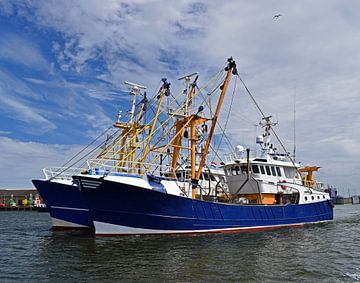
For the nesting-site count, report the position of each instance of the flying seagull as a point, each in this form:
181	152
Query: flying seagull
277	16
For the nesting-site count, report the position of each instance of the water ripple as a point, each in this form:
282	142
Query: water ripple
323	253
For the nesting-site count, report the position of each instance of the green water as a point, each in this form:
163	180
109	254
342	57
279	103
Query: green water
324	252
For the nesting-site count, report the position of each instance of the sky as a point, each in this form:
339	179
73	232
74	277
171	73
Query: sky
63	64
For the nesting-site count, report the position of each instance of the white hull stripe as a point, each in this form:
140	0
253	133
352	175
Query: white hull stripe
69	208
56	222
102	228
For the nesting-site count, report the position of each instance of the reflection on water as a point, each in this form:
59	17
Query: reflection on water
315	252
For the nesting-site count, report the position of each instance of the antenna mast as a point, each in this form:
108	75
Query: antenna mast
134	91
294	152
187	90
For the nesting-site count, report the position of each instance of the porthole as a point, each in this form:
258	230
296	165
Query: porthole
312	197
305	198
318	197
323	196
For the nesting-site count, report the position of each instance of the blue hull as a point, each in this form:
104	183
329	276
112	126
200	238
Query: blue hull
65	204
147	211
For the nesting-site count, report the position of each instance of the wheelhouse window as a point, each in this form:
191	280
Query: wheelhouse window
278	171
244	169
290	172
181	176
262	169
268	170
273	171
255	169
235	170
206	177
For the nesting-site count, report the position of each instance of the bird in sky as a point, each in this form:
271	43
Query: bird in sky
277	16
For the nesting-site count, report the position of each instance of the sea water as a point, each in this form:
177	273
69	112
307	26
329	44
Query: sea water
30	252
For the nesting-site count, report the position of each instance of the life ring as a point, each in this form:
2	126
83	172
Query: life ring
283	186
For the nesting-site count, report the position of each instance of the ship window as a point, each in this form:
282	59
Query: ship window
235	170
268	170
323	196
318	197
312	197
290	172
273	171
206	177
262	169
180	176
278	171
305	198
255	169
244	169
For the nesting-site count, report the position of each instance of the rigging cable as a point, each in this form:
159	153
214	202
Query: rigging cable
90	152
227	118
103	133
218	124
263	115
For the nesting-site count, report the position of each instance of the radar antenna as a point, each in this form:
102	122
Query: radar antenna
134	90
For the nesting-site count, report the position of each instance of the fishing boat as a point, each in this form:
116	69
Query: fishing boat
65	203
139	199
270	178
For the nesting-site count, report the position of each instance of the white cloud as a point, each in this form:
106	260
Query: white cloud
21	112
23	161
311	51
15	97
21	51
6	7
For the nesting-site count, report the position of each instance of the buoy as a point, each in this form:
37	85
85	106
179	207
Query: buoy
12	201
37	200
283	186
25	201
31	200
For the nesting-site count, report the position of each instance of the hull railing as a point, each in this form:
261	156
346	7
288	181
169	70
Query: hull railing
61	173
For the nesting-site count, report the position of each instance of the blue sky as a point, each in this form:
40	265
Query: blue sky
63	63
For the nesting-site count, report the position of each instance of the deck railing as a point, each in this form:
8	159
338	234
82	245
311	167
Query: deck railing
113	167
63	173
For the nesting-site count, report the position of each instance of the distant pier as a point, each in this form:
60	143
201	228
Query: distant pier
347	200
21	200
18	208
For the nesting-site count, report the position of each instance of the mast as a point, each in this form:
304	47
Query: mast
230	69
129	129
164	91
134	91
189	94
294	151
180	127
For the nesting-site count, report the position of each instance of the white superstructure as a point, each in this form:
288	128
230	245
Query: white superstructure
270	178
